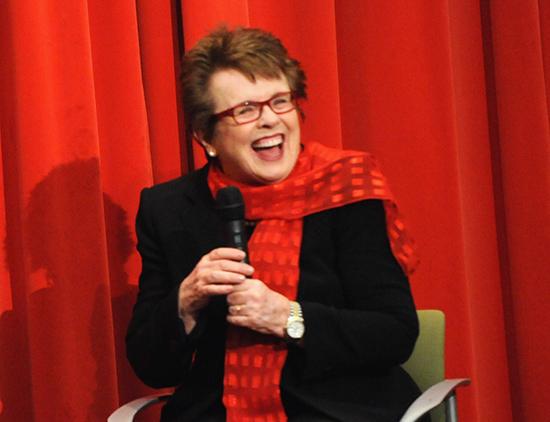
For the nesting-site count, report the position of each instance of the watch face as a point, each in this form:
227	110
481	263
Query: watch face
295	329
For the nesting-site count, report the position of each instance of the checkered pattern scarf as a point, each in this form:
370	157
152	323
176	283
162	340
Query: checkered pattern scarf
323	178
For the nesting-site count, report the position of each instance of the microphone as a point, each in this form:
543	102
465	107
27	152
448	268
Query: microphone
230	205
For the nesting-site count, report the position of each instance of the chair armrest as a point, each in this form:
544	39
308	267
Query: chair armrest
128	411
432	397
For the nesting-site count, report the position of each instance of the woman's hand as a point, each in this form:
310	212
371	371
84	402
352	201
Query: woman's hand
217	273
254	305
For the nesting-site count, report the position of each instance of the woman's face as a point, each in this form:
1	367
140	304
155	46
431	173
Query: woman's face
260	152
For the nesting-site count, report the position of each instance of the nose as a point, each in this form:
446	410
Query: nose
267	117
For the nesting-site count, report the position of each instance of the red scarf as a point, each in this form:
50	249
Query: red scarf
323	178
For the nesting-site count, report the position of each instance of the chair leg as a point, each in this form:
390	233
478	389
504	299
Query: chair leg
451	408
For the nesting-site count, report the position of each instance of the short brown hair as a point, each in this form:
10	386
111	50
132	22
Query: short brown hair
253	52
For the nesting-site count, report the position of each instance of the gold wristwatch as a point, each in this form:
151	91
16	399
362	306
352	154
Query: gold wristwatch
295	327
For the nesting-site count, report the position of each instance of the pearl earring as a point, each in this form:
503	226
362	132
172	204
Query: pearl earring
211	153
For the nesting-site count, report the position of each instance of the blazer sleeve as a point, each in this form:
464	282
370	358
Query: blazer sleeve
157	346
376	326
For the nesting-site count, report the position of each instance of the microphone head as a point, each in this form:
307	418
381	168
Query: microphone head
230	203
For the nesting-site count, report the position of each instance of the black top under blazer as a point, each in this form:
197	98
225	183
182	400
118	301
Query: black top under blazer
359	315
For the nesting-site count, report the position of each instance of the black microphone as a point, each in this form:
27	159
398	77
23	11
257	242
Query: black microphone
230	205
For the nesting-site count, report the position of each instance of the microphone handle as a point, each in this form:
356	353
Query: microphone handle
236	236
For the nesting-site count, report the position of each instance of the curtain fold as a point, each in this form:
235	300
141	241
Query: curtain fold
161	45
452	96
482	276
519	37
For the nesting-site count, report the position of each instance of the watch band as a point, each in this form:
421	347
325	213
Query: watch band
295	310
295	327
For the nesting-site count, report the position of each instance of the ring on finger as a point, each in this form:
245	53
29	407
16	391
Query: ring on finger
237	308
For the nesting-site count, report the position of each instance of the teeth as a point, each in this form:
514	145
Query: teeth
268	142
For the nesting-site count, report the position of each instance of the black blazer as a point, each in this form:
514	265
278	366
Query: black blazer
360	317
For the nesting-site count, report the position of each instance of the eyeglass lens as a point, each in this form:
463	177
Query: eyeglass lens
252	110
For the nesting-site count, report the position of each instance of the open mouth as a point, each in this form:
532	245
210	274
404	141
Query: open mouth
267	143
270	148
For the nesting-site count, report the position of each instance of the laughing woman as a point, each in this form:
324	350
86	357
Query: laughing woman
316	326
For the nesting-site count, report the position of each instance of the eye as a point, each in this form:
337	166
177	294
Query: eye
282	100
282	103
244	109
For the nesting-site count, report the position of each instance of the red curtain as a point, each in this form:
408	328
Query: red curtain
450	95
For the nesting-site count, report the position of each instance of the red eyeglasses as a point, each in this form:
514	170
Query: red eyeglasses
249	111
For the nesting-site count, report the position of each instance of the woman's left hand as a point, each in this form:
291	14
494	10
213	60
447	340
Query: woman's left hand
254	305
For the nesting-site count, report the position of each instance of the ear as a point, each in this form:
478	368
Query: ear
209	148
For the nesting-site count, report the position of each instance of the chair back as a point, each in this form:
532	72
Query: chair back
427	362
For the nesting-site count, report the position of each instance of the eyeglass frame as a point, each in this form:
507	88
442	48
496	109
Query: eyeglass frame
261	104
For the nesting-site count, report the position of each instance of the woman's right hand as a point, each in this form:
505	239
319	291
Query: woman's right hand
215	274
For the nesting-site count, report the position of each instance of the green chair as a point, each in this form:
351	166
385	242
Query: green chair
426	365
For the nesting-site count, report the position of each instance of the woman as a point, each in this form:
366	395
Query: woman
315	327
